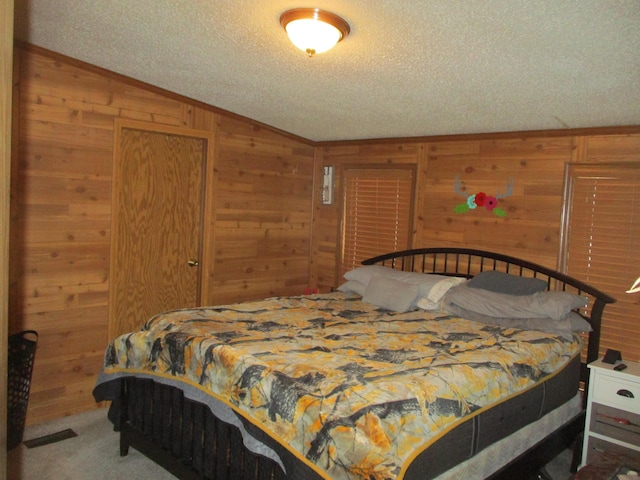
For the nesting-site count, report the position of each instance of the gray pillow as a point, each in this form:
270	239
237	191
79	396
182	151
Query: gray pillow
390	294
578	323
572	322
506	283
555	305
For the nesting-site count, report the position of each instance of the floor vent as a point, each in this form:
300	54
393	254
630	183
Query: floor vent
52	438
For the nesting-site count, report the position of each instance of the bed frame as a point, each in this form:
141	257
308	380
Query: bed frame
185	438
469	262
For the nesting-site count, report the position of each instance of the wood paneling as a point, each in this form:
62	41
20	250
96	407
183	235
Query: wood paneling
262	214
259	198
268	233
483	163
531	226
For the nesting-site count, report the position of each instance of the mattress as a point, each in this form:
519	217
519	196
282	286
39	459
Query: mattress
350	390
501	453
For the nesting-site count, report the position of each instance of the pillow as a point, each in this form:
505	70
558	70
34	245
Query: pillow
365	273
572	322
506	283
390	294
437	292
578	323
351	286
555	305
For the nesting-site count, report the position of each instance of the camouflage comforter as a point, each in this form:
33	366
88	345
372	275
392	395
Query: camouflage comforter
352	390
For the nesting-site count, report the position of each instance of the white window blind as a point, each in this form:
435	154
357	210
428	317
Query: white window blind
603	245
377	212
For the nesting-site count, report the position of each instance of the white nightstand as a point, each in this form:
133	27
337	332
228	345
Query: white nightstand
613	410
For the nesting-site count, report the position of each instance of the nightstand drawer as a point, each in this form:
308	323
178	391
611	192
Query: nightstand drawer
610	391
600	445
615	423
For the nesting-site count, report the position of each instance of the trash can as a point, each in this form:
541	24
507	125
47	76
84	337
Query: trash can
22	352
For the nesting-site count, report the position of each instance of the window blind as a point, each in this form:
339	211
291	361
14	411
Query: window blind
376	213
603	244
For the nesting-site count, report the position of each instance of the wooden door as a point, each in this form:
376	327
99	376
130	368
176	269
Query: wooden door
157	225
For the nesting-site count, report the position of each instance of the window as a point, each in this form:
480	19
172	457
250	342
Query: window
377	213
603	244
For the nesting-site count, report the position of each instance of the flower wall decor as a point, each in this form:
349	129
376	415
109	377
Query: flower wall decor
481	199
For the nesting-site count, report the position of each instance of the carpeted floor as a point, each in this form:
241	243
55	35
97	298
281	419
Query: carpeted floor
94	454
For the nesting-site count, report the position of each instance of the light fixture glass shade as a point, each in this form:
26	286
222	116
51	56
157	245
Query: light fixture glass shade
313	30
307	34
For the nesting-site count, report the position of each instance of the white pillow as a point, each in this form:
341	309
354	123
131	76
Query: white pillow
390	294
432	300
365	273
351	286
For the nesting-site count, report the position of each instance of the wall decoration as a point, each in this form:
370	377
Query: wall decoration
481	199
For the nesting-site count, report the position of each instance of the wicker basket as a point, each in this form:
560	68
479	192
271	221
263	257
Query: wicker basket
22	352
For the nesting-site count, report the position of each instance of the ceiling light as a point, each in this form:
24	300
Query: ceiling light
313	30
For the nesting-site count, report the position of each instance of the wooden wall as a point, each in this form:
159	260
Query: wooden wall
270	234
531	226
263	213
535	161
61	212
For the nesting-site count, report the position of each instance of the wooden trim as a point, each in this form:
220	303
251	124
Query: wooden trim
580	149
115	176
209	212
568	132
420	194
316	204
121	123
152	88
6	89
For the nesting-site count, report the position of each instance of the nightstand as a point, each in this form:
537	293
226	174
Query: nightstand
613	411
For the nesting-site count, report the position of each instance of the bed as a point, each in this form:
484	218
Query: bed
429	363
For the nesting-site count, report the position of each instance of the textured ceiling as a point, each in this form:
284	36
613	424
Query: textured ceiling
408	68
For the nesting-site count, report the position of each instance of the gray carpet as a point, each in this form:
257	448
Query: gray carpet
94	454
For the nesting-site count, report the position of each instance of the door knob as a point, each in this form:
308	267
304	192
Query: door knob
193	263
